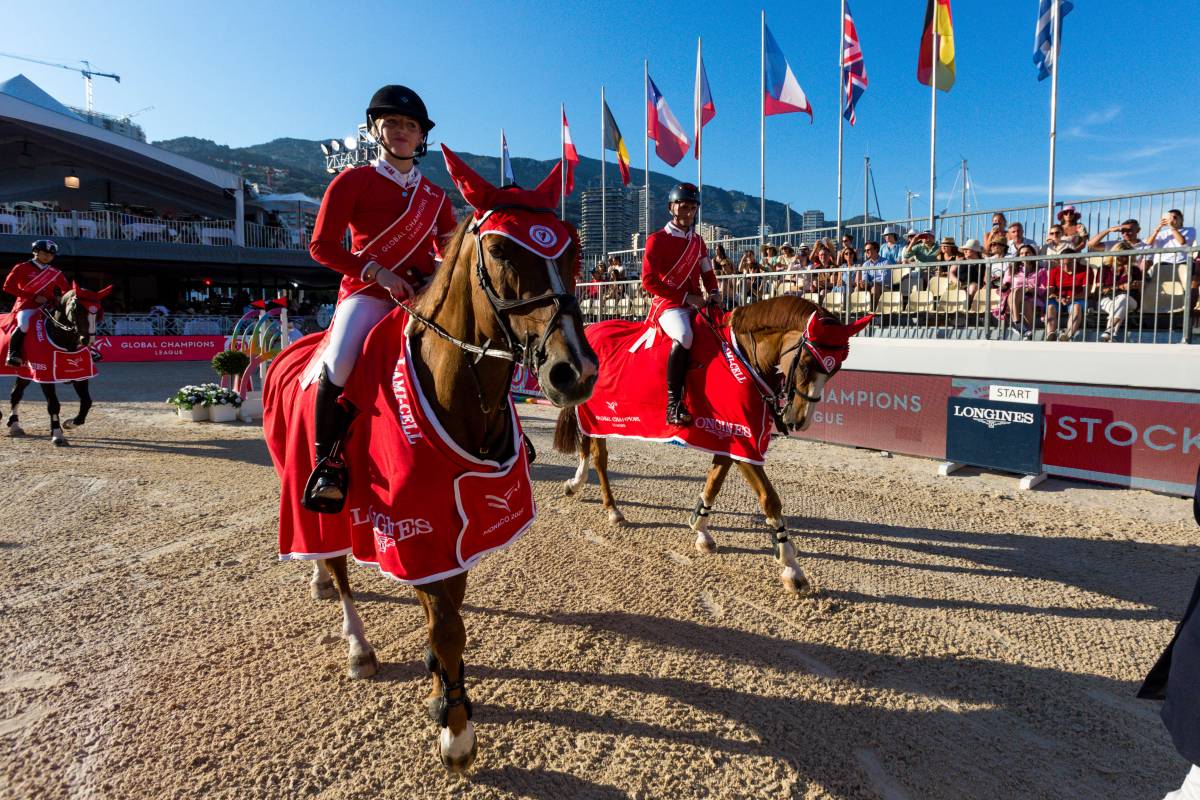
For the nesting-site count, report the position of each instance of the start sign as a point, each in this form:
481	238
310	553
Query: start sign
1013	394
987	433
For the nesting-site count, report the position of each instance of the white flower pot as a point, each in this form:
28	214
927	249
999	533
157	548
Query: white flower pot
194	414
222	413
252	408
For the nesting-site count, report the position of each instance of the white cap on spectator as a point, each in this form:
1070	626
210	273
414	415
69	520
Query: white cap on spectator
973	244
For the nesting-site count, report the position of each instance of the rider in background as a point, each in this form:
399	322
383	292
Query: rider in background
369	200
675	264
34	283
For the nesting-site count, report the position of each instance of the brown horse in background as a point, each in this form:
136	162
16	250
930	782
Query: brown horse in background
778	342
488	290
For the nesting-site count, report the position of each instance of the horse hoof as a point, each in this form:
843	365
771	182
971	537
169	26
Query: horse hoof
16	431
363	666
797	584
449	749
615	517
323	591
705	544
59	441
568	489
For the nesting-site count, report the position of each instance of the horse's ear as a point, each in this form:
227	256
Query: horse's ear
74	287
858	325
474	188
105	292
549	191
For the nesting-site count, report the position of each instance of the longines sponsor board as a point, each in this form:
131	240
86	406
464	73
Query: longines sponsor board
990	433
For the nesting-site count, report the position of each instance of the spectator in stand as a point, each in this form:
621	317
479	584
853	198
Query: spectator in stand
802	263
616	274
999	224
920	252
1068	287
1119	285
1054	241
890	251
1170	233
783	262
823	261
876	274
721	262
1130	231
969	276
1016	238
1074	233
767	262
746	284
997	252
947	252
1022	292
848	261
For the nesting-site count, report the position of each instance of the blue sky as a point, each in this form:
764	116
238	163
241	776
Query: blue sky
247	72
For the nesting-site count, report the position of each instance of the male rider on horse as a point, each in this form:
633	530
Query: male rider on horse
34	283
397	219
675	264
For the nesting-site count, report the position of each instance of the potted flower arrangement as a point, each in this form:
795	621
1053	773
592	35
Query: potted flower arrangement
222	403
231	363
191	402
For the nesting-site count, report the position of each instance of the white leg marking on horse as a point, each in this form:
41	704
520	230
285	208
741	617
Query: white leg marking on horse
362	661
457	747
321	586
581	476
792	575
704	542
615	516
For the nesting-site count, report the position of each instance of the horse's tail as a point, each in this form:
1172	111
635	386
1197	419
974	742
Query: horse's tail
567	439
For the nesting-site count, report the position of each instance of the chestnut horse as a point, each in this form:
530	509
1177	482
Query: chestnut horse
70	326
490	297
792	344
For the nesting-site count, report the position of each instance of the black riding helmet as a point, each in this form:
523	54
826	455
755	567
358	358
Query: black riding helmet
684	193
395	99
44	246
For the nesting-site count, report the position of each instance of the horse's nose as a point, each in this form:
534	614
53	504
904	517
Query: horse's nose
563	376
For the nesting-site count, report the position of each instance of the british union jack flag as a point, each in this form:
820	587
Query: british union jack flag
854	71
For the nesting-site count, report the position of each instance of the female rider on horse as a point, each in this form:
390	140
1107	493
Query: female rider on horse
675	263
34	283
397	220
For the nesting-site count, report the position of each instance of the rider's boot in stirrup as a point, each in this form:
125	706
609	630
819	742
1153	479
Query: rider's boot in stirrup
325	492
677	366
16	346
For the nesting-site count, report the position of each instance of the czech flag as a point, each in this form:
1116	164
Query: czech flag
670	142
704	107
613	140
570	155
783	93
937	18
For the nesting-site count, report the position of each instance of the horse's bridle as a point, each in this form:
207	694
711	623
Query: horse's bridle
779	401
530	356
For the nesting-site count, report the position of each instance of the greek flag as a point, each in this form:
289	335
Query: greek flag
1043	38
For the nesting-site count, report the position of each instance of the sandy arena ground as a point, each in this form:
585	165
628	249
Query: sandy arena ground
966	641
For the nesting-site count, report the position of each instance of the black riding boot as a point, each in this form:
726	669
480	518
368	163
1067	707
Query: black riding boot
325	492
16	346
677	367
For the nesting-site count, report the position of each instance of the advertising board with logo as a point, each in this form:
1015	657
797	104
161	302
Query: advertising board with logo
990	433
159	348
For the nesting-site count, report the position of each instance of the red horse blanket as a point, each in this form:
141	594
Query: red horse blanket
45	362
630	400
419	508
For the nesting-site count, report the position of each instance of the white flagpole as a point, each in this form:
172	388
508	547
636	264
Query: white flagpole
603	184
562	156
646	103
933	64
841	115
502	156
696	113
762	132
1054	21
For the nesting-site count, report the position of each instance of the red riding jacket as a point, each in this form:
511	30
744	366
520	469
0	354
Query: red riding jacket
371	200
29	280
675	264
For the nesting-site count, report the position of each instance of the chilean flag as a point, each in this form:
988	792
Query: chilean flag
704	106
570	155
783	93
670	142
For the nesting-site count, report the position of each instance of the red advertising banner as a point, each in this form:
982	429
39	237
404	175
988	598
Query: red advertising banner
159	348
525	383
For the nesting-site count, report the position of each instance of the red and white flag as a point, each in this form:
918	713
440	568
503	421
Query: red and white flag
703	104
570	155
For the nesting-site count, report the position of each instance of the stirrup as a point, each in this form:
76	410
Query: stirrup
325	492
14	361
530	451
678	415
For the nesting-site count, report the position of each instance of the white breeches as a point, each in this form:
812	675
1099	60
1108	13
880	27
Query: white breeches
352	321
24	317
1118	307
677	324
1190	790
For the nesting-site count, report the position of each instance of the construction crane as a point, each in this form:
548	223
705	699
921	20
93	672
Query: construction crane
87	72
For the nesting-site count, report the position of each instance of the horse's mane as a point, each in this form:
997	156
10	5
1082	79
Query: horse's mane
786	313
435	296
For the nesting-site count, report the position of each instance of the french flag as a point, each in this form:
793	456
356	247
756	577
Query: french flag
783	94
670	142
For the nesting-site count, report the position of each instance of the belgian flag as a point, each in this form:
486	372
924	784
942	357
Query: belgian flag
937	18
615	142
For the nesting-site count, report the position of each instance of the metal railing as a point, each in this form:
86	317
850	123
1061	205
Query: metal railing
1096	215
1141	296
189	324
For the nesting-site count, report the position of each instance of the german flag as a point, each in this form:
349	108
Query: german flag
937	18
615	142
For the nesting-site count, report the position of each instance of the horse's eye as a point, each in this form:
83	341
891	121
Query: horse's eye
496	251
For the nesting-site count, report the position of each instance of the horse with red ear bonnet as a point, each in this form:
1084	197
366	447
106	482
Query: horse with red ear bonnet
764	363
439	475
